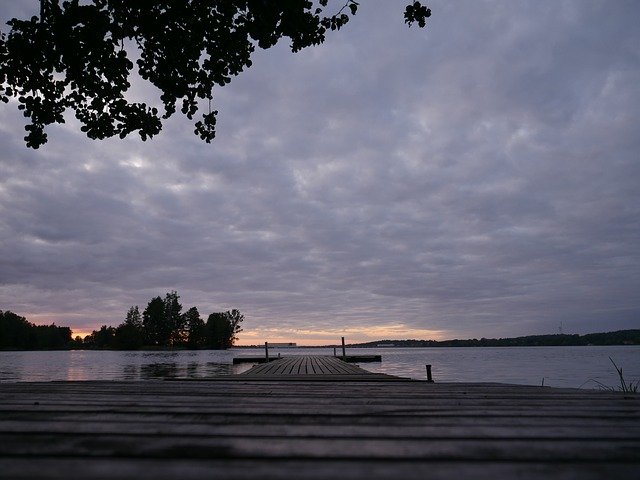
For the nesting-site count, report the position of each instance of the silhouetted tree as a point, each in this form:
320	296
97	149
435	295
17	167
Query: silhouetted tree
101	339
235	319
129	334
74	56
162	321
77	343
222	328
152	321
134	318
174	321
218	330
15	331
51	337
195	327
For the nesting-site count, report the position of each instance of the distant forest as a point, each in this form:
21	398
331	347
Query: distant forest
162	324
620	337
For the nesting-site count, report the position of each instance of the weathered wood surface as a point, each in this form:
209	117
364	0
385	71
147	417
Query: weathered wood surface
249	427
347	358
329	368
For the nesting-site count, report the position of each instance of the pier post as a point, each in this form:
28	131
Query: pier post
429	378
344	352
334	352
266	351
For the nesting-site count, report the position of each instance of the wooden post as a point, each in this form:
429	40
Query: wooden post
344	352
334	352
429	378
266	351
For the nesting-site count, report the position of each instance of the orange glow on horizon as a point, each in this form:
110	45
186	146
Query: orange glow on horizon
80	333
301	336
332	337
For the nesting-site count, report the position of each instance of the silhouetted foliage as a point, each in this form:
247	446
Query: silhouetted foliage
235	319
17	333
134	319
195	326
222	328
174	320
130	334
163	325
416	12
77	56
218	330
101	339
155	332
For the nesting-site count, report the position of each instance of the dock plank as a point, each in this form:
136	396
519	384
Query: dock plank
311	365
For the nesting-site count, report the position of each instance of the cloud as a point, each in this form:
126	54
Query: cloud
477	178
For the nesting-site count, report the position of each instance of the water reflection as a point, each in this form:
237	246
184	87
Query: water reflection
212	369
152	371
130	372
559	366
190	370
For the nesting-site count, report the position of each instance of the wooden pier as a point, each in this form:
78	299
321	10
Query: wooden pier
322	425
346	358
323	368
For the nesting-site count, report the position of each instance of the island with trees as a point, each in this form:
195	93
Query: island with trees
161	325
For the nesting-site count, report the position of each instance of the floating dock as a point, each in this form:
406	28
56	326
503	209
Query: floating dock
330	422
346	358
314	368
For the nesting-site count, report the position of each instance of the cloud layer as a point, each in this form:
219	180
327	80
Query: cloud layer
476	178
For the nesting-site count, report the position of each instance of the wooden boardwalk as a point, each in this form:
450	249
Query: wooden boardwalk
255	426
323	368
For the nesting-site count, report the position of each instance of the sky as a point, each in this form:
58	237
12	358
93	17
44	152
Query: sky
476	178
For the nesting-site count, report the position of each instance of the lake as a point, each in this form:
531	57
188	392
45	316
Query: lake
579	367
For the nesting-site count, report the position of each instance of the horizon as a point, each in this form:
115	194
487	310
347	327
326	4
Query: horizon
330	339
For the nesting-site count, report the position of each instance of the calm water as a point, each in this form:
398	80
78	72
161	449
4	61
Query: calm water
559	366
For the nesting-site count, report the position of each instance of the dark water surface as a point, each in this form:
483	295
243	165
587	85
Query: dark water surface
559	366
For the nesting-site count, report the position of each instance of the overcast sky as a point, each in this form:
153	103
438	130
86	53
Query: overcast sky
477	178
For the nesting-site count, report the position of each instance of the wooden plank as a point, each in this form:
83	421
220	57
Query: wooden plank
305	469
170	425
355	426
302	367
315	367
401	422
308	365
210	446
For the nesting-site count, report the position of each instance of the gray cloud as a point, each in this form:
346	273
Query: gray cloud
477	178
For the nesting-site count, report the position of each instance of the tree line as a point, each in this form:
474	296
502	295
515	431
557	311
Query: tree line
17	333
619	337
162	324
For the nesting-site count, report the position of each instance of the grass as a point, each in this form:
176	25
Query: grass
625	387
